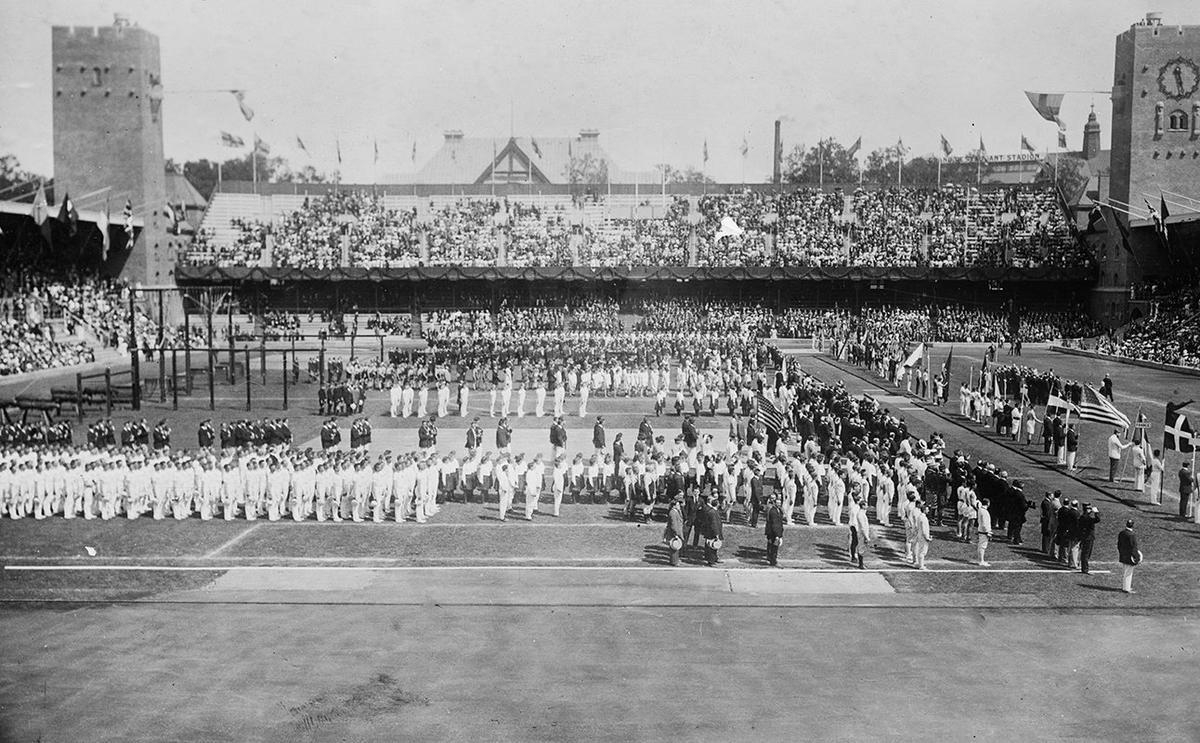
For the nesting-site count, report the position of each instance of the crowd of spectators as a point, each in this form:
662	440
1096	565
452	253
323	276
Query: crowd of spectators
911	227
1169	335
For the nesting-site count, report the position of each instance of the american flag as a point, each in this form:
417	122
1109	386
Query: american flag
769	415
1093	407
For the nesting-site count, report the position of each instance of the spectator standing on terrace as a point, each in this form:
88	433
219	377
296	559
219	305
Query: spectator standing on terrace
1187	484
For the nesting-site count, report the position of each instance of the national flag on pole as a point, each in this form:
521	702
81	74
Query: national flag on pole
127	218
338	145
300	144
946	366
414	153
946	148
854	148
67	215
247	112
377	152
1177	432
537	150
1047	105
1095	407
982	149
1025	145
729	228
1062	140
41	210
1111	217
768	415
102	225
1056	404
1160	221
916	356
261	147
232	140
706	151
745	147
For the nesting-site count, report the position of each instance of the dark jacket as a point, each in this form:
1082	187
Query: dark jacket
774	522
1086	526
1127	547
709	523
598	440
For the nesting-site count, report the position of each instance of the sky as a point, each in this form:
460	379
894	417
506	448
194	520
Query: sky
657	79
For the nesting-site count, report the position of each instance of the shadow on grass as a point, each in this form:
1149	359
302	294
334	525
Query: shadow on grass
754	554
833	554
1094	587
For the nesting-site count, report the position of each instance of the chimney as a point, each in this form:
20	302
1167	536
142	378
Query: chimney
589	134
453	135
1154	18
777	171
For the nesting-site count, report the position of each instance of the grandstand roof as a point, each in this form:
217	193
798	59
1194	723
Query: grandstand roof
181	191
463	160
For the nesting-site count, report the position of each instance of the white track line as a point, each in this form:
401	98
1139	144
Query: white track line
563	568
237	538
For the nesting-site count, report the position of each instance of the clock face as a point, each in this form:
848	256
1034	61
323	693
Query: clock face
1179	78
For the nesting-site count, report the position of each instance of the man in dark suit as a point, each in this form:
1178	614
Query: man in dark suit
675	529
1129	554
756	495
503	435
558	437
646	432
205	435
692	507
712	532
474	435
774	530
1087	534
598	438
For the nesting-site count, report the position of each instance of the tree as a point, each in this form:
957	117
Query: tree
828	161
202	174
671	174
586	170
12	174
1073	176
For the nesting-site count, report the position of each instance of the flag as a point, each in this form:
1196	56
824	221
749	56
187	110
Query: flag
232	140
982	149
745	147
377	152
537	150
768	415
1025	145
1047	105
1096	219
915	357
1112	218
1062	140
338	144
706	151
1177	432
1056	404
1160	222
946	366
67	215
127	218
102	225
1162	207
854	148
1138	436
240	95
1094	407
261	147
169	213
946	148
729	228
414	153
900	146
300	144
41	210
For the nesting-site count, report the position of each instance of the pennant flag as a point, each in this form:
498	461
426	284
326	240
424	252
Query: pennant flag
1047	105
377	152
982	149
261	147
745	147
68	216
247	112
769	415
1096	220
854	148
338	144
916	356
41	210
300	144
537	150
1025	145
1111	217
414	153
729	228
1177	432
706	151
946	148
1062	140
1162	207
1095	407
102	225
127	218
232	140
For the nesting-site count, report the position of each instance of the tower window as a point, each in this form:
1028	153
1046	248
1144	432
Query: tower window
96	82
1177	121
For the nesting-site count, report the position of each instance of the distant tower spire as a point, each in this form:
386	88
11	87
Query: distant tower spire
1091	136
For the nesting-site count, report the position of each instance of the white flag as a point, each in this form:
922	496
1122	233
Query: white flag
729	228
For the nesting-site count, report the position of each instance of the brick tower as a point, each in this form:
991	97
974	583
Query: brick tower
107	88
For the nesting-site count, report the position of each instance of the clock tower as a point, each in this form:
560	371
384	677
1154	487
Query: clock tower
1155	147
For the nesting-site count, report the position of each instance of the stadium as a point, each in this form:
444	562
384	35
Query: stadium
508	442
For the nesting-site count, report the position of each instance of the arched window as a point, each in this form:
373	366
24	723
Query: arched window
1177	121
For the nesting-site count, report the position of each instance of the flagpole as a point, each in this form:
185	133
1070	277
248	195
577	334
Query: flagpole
254	162
820	165
939	174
